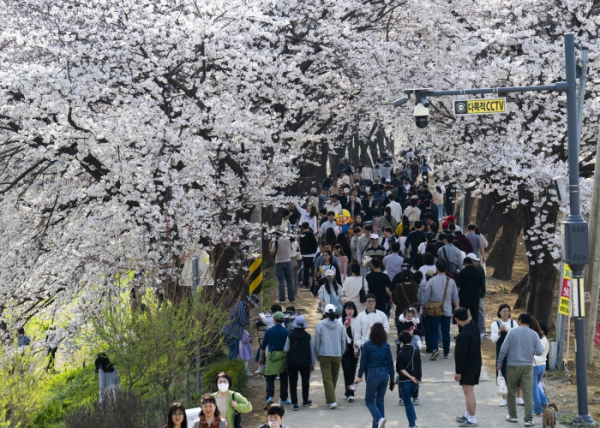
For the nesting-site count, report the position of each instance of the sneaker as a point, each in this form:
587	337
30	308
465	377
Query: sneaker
520	401
261	369
296	407
434	355
467	424
483	336
529	423
537	414
277	377
285	402
307	403
350	399
446	356
461	418
281	301
509	418
381	423
416	402
268	403
332	405
503	402
401	402
249	373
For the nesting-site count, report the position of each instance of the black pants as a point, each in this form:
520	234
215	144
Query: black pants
293	373
473	307
349	364
283	390
308	264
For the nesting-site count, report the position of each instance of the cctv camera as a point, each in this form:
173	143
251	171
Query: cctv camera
559	184
421	115
400	102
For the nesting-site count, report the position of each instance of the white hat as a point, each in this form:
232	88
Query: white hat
329	308
472	256
374	236
329	272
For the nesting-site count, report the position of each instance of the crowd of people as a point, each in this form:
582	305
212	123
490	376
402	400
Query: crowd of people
374	243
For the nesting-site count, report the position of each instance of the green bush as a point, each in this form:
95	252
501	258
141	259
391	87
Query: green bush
234	368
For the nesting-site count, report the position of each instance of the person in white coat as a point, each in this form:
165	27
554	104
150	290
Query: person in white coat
366	319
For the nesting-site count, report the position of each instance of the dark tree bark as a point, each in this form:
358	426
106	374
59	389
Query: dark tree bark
469	203
490	219
502	256
311	174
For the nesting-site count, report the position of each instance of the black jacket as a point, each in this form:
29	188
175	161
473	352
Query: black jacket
467	352
409	359
469	282
300	352
308	243
413	240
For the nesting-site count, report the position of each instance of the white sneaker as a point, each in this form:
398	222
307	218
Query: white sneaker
332	405
381	423
503	402
520	401
351	399
261	369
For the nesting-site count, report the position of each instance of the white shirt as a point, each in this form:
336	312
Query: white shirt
351	287
425	268
305	217
346	180
540	360
364	321
396	210
367	173
510	324
330	207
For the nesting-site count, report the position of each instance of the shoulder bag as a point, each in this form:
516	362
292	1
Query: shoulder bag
362	295
237	420
436	309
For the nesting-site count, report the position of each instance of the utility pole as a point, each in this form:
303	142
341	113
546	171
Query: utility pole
195	284
576	239
592	277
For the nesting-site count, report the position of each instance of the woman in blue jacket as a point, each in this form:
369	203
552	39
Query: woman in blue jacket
377	359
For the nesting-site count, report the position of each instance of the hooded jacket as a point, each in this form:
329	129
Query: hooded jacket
467	352
330	339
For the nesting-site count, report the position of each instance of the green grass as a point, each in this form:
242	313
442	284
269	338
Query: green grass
566	419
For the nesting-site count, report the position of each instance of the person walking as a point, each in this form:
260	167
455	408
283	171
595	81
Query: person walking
408	367
366	320
227	401
330	344
352	286
330	292
470	282
377	358
482	291
406	290
467	363
300	360
274	340
539	368
440	289
308	249
233	330
350	357
379	284
281	248
519	348
500	329
393	261
210	417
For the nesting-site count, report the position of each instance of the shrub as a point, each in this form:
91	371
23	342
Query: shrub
234	368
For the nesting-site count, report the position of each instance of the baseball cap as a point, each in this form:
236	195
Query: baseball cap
445	225
472	256
450	218
430	272
374	236
300	322
278	316
330	272
388	180
329	308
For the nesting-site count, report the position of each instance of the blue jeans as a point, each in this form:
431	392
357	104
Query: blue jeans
284	274
539	399
432	324
440	211
408	388
234	348
377	383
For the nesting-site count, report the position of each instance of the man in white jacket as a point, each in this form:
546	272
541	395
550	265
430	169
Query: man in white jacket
365	320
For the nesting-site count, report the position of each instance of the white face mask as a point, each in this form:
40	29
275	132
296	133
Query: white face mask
223	387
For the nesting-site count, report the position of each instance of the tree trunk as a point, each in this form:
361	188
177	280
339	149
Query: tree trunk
311	174
502	256
490	219
469	203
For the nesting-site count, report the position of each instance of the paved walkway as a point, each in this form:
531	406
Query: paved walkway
441	397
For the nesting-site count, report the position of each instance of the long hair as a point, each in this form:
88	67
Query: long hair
536	327
208	398
340	249
378	335
335	285
330	237
343	241
102	362
172	409
388	214
313	211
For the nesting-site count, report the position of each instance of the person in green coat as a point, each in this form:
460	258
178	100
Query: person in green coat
228	401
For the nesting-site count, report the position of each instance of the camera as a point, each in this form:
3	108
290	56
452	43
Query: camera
421	114
559	184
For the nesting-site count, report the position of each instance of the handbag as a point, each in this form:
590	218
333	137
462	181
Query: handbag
362	295
436	309
339	309
237	419
501	382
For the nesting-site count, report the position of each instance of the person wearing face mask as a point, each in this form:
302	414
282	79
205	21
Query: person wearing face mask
330	344
227	401
275	417
176	417
210	417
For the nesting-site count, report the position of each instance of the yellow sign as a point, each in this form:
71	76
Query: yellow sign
565	292
255	276
480	106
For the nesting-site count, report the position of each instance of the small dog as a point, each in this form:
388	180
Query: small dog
549	416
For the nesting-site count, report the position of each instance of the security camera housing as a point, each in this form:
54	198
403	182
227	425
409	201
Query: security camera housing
421	114
561	192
